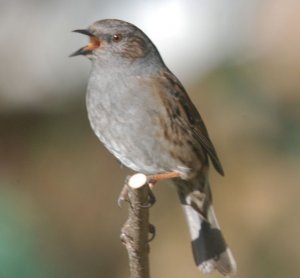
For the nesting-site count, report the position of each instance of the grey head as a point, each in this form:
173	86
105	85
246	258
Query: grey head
116	42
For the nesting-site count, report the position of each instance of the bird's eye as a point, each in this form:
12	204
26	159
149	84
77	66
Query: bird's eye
117	37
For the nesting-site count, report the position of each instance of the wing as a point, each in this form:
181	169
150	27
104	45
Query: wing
189	117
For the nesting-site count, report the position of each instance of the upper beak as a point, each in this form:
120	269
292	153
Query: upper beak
84	32
93	44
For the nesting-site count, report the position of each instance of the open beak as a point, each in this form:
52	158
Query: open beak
93	44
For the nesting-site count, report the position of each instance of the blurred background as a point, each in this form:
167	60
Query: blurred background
240	63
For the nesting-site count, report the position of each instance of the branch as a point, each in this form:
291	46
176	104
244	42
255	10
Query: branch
134	233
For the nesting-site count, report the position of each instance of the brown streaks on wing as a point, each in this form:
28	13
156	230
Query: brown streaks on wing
186	117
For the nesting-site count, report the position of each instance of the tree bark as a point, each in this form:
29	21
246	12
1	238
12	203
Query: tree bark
135	232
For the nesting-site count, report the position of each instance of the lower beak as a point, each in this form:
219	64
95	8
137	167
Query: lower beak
93	44
81	51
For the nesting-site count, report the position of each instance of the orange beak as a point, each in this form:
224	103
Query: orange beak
93	44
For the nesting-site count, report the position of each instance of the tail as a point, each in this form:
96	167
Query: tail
209	247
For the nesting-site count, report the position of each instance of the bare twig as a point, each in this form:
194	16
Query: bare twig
135	231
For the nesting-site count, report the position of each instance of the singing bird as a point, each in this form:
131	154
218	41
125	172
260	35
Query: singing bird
142	114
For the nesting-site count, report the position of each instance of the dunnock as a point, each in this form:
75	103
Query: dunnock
142	114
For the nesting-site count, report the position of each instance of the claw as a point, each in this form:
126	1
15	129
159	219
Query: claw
151	200
123	197
152	232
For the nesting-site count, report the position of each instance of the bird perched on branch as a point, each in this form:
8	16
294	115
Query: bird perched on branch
142	114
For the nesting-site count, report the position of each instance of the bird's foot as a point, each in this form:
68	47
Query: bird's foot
124	194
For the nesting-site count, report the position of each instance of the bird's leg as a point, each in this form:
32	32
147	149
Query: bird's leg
160	177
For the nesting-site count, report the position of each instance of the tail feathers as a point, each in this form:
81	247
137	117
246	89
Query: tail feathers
209	247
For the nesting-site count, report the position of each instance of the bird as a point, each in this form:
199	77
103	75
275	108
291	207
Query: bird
143	115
